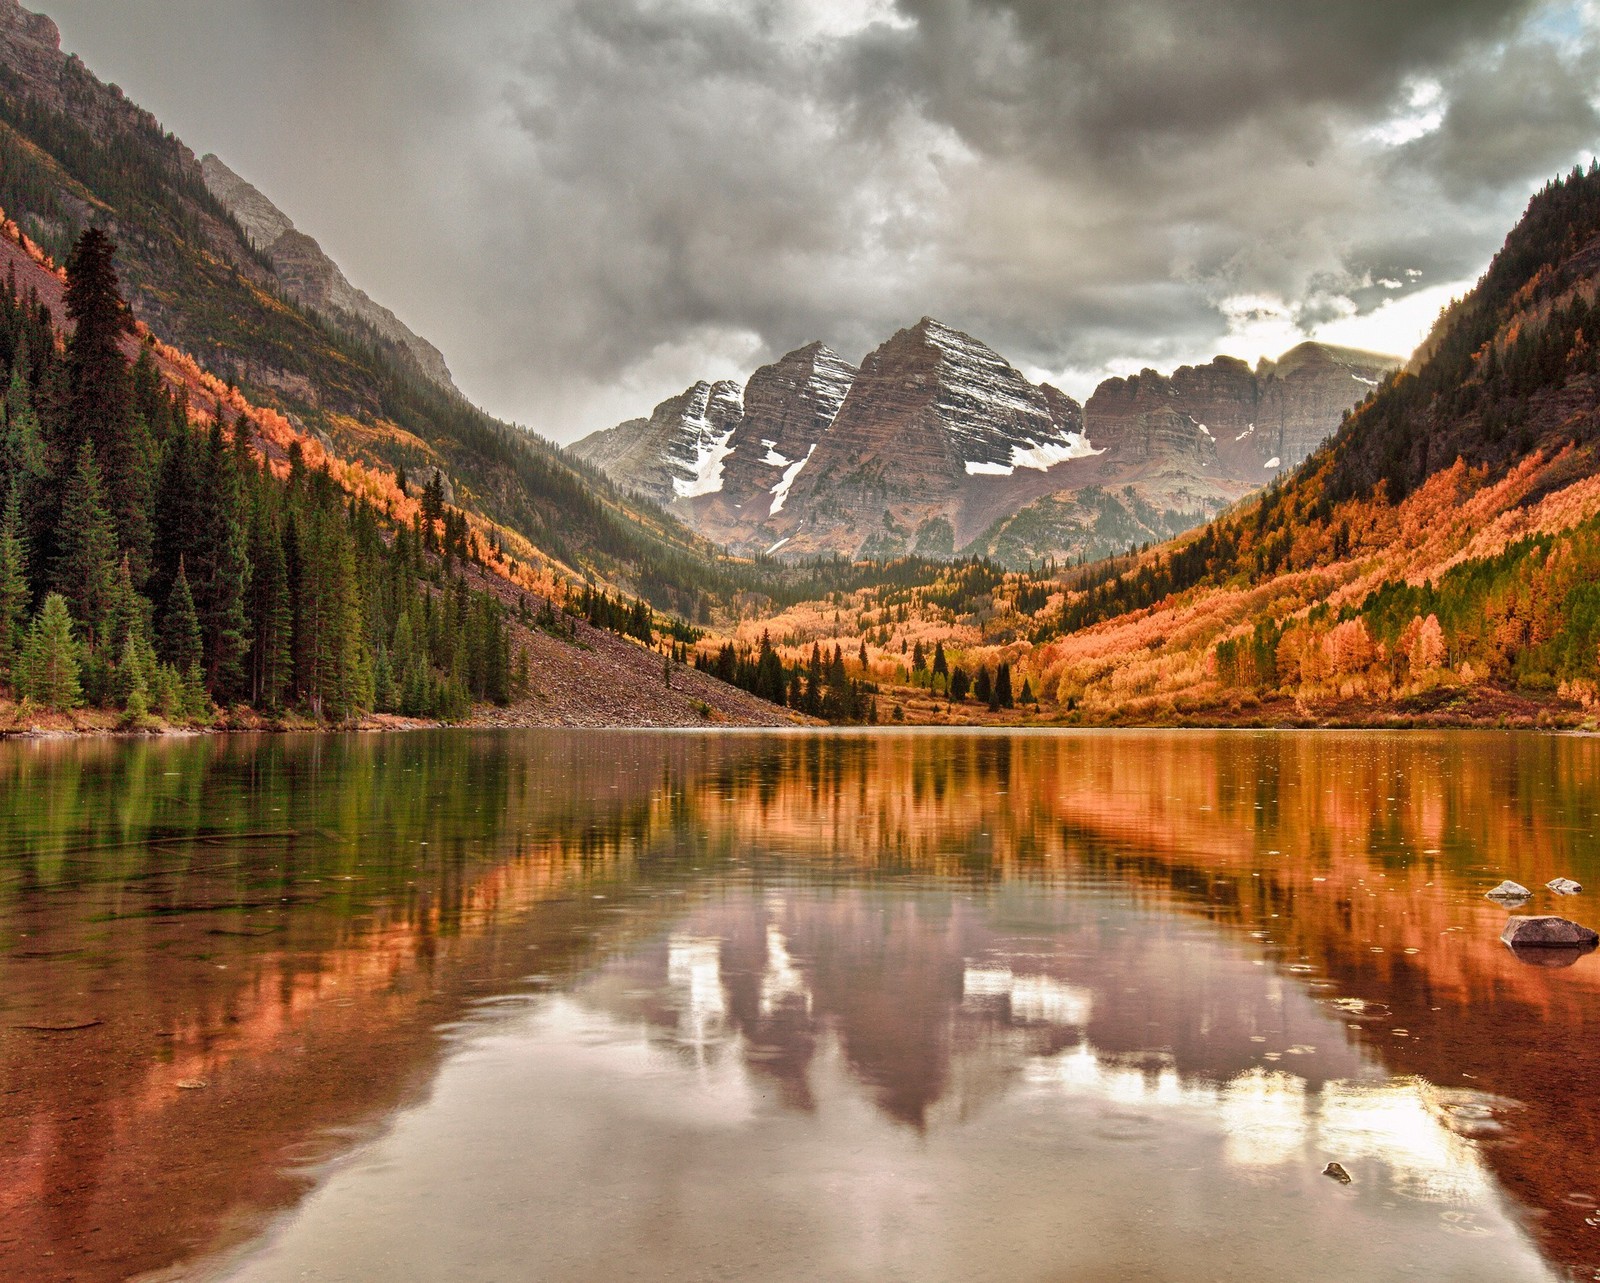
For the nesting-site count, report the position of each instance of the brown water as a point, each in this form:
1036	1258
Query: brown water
567	1006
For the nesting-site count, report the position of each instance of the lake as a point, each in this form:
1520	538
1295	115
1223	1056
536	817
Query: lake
593	1006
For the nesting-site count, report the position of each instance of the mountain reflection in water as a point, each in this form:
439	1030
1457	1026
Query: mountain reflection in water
833	1006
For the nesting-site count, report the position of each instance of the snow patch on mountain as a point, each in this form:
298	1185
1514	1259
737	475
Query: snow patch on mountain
780	492
1036	455
703	443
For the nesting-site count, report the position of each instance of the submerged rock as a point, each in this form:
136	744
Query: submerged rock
1551	957
1564	886
1337	1172
1508	891
1548	932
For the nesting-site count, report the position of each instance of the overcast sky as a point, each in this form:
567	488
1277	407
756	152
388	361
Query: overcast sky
588	204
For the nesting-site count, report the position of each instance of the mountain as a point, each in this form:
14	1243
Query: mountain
249	424
938	446
251	300
313	279
678	451
1179	448
908	454
1436	561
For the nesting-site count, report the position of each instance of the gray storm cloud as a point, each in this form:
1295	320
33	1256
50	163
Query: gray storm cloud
587	203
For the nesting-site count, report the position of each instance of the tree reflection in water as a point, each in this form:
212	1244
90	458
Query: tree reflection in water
1274	945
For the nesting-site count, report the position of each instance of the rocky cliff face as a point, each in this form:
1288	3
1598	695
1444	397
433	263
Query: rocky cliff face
1259	422
678	452
935	425
938	446
313	279
789	406
33	65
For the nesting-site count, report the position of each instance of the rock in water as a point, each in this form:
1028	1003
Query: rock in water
1564	886
1508	891
1337	1172
1544	933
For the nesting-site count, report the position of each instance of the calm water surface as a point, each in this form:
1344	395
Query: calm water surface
557	1006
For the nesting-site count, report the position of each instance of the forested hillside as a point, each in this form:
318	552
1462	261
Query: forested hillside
1435	561
74	153
149	568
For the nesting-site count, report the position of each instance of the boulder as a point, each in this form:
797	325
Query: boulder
1508	891
1564	886
1337	1172
1547	932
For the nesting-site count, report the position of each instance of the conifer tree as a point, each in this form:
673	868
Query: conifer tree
958	684
384	696
50	659
13	586
100	400
128	638
180	627
85	569
270	615
221	569
22	455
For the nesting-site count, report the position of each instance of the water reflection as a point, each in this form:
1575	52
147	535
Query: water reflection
922	978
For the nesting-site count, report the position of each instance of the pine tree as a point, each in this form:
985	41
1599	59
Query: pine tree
180	627
100	401
384	694
85	569
50	659
958	684
270	615
13	586
128	638
221	570
22	453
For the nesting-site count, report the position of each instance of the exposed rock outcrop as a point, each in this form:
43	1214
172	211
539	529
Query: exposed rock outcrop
1260	421
678	452
788	407
313	279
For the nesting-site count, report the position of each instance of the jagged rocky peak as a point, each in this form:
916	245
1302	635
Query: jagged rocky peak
30	47
310	277
793	401
678	452
262	221
967	400
706	416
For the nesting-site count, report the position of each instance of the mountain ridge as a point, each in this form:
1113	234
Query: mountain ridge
309	276
1435	562
937	446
